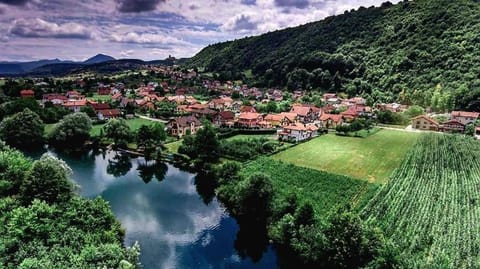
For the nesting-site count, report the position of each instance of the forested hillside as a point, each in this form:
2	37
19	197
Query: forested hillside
422	52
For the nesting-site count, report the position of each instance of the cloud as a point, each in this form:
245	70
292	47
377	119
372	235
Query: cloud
14	2
241	23
146	38
38	28
300	4
248	2
126	53
136	6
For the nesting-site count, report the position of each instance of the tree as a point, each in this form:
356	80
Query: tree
23	130
207	144
72	131
470	129
48	181
89	111
119	131
150	137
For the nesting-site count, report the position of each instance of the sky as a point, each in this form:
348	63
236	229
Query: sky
146	29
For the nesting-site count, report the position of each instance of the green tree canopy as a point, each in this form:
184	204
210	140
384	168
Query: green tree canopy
72	131
23	130
119	131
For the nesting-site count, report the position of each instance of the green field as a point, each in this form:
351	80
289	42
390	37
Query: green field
101	98
173	146
324	190
431	205
373	158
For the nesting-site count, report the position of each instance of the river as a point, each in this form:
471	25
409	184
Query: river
173	214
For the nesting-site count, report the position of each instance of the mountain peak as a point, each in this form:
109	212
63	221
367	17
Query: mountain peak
99	58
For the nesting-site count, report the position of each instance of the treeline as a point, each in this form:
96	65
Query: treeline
302	236
44	224
390	53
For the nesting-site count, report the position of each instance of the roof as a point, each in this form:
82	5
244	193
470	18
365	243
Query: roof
109	112
426	118
75	103
249	116
186	121
453	122
27	92
99	106
248	109
301	127
117	95
273	117
289	116
51	96
301	110
226	115
465	114
333	117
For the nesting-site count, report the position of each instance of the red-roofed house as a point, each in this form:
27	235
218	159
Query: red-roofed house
425	123
453	126
298	132
331	120
248	109
98	106
465	117
54	98
306	113
183	125
224	118
27	94
249	119
75	105
105	114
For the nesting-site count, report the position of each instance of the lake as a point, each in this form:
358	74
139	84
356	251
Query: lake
173	214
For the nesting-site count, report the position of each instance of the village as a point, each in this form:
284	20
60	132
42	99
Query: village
231	105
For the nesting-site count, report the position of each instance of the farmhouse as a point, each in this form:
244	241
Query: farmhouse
453	126
106	114
465	117
423	122
183	125
298	132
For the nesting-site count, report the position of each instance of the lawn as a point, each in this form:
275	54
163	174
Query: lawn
133	123
173	146
373	158
245	136
325	191
101	98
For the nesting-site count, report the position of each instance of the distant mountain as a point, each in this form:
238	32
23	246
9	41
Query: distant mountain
408	52
22	67
99	58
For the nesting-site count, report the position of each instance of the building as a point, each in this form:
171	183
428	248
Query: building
75	105
106	114
298	132
54	98
224	118
306	113
465	117
453	126
425	123
249	119
183	125
331	120
27	94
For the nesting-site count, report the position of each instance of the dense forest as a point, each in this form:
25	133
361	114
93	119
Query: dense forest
416	52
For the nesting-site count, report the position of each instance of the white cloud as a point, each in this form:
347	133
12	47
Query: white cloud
39	28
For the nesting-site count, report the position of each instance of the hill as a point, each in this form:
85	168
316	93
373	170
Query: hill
406	52
99	58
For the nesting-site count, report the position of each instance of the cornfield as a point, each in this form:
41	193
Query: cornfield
431	205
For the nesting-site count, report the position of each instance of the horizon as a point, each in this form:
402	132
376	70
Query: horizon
147	29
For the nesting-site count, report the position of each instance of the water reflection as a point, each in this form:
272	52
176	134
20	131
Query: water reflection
175	217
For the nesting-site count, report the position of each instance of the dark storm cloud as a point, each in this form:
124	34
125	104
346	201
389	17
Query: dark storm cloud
300	4
14	2
136	6
244	23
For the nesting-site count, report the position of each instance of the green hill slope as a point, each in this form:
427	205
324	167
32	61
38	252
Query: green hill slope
424	52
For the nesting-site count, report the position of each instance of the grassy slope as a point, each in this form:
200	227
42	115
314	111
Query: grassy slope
373	158
324	190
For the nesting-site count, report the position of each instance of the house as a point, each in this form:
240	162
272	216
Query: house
247	109
183	125
306	113
453	126
74	95
98	106
288	118
273	120
224	118
104	91
249	119
54	98
465	117
298	132
75	105
204	113
331	120
221	103
423	122
117	96
106	114
27	94
350	114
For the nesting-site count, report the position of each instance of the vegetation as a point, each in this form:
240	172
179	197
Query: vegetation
430	206
23	130
150	137
119	131
204	146
372	158
416	52
45	225
71	132
247	149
